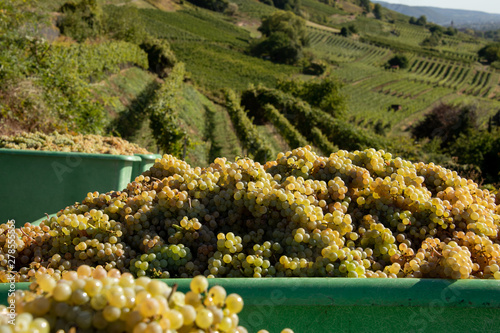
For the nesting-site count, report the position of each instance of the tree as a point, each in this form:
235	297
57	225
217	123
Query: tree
422	20
124	23
279	48
365	4
399	60
377	11
490	52
81	20
290	5
349	30
315	67
284	36
160	55
232	9
479	148
345	32
434	28
352	28
289	23
325	94
215	5
446	122
434	39
450	31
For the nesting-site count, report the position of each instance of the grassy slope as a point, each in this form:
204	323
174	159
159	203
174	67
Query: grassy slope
215	67
275	140
208	127
126	95
213	49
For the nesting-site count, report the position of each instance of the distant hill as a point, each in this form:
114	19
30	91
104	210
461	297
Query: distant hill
444	16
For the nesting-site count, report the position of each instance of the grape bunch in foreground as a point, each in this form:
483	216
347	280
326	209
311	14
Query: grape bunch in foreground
351	214
96	300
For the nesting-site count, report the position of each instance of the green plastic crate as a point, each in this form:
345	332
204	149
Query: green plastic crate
44	218
146	162
37	182
323	305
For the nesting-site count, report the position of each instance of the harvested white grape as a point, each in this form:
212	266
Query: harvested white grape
351	214
90	143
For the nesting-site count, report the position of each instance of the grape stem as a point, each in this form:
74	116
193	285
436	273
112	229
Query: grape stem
177	227
31	238
436	252
174	289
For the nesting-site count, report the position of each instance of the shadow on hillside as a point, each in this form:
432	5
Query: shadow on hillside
129	121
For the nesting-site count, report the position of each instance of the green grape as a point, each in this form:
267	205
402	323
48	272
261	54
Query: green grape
188	314
176	319
62	292
40	324
149	307
234	303
204	318
47	284
199	284
111	313
218	294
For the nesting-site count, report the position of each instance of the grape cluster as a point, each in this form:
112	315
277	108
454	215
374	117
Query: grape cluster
107	301
91	144
351	214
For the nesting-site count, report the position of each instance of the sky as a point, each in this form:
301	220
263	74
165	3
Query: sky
488	6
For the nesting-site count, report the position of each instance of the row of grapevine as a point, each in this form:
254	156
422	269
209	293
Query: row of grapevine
293	137
316	36
356	72
164	121
95	61
400	45
454	75
494	93
322	142
372	99
452	47
247	132
193	25
344	49
482	83
462	45
295	110
305	118
469	57
376	57
404	89
409	34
